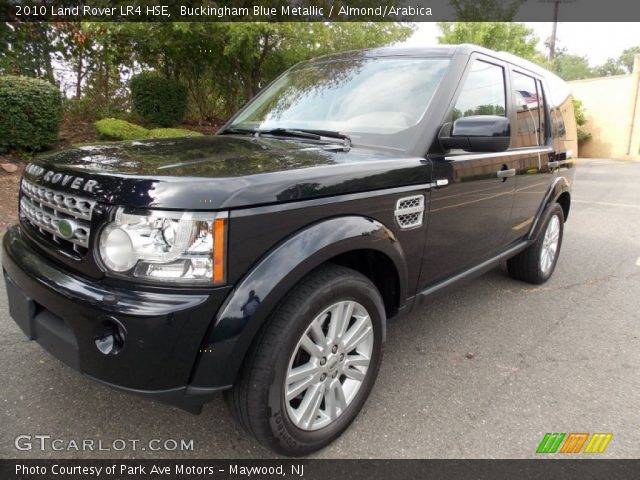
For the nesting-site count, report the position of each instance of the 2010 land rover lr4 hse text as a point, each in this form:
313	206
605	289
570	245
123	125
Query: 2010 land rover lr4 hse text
267	259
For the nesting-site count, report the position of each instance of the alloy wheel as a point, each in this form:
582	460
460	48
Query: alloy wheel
550	244
328	365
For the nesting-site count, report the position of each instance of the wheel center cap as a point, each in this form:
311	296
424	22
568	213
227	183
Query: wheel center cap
333	364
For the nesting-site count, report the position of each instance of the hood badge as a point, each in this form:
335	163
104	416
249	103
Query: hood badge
66	228
72	181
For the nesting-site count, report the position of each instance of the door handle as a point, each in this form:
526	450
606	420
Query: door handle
507	173
553	165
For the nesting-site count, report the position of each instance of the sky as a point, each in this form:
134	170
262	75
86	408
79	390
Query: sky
596	41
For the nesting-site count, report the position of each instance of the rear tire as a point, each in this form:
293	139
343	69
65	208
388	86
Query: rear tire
280	374
537	263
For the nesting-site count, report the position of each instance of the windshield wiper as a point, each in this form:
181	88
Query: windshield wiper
292	132
318	135
242	131
272	131
321	135
327	133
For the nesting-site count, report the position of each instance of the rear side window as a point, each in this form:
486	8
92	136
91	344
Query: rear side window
528	114
483	92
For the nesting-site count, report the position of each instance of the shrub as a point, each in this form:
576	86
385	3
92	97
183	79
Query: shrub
159	100
30	113
172	132
114	129
581	119
583	135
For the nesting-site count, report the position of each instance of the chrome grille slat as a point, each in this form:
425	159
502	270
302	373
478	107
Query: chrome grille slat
45	208
72	205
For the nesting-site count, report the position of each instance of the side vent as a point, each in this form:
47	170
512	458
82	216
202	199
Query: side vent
410	211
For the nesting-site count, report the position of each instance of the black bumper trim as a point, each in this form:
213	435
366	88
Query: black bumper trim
187	398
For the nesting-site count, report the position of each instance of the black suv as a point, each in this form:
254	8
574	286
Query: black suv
267	259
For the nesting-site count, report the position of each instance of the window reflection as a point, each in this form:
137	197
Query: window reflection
527	110
483	92
378	96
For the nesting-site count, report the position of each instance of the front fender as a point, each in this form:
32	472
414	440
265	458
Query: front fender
254	298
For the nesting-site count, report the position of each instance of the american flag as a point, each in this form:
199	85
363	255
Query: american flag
528	96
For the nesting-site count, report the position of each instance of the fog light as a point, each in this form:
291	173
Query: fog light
112	342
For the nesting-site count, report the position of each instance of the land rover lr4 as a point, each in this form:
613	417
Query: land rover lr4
266	260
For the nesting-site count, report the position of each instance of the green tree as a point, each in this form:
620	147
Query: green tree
515	38
111	63
192	53
25	49
609	68
75	45
261	51
627	57
225	64
222	65
571	67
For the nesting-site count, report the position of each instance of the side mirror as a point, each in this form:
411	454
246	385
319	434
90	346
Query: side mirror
479	133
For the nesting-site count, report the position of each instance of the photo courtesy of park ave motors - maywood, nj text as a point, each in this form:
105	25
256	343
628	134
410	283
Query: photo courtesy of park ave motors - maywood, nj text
240	238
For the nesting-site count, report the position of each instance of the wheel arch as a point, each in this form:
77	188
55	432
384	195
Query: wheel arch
380	269
564	199
356	242
558	192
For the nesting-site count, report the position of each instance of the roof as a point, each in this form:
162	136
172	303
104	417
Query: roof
437	50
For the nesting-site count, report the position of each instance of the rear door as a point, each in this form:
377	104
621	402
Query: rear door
530	126
471	202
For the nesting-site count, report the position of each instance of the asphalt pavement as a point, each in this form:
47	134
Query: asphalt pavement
483	372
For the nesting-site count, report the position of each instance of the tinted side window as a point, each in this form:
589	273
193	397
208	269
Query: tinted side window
483	92
527	106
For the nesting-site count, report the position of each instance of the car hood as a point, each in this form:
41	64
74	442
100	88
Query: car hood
219	172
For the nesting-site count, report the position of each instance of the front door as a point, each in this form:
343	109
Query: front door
471	202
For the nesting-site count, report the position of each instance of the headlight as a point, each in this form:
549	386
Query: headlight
166	246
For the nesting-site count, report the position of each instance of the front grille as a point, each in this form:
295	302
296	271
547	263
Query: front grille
44	209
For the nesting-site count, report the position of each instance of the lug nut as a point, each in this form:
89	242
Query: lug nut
341	356
323	376
334	349
323	360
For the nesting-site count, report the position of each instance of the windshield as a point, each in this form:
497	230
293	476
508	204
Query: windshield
375	101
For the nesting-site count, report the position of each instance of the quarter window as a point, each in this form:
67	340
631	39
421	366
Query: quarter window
483	92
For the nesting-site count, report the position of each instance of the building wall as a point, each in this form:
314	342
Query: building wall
612	107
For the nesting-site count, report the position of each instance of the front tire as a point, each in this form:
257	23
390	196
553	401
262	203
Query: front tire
537	263
312	367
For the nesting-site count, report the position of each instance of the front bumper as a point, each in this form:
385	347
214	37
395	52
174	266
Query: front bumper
66	313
